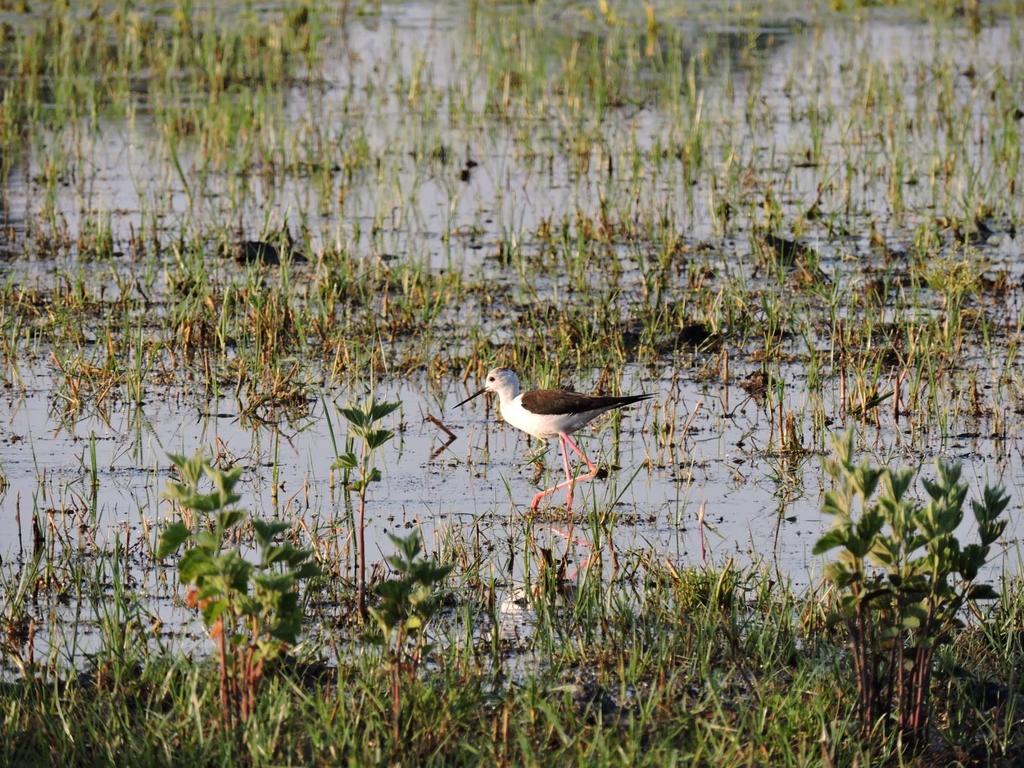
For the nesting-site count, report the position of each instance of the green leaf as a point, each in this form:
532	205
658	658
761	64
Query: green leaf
212	610
345	461
982	592
378	437
267	530
949	472
840	573
275	582
393	590
866	529
408	546
355	417
379	410
990	531
308	571
277	553
994	502
835	504
830	540
195	564
230	518
206	540
173	536
236	571
866	479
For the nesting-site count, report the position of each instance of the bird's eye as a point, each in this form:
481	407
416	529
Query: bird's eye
490	378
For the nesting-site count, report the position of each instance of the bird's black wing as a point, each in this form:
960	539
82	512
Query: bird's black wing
557	402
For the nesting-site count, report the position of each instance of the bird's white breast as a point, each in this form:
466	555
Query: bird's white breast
532	423
540	424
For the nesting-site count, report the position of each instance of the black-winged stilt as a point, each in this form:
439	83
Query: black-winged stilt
547	413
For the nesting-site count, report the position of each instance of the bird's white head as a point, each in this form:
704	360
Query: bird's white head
501	381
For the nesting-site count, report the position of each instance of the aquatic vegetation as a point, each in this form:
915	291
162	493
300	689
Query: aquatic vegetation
408	602
363	425
903	579
252	610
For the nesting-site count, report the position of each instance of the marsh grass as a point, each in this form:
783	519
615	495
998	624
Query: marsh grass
248	141
720	664
815	209
713	666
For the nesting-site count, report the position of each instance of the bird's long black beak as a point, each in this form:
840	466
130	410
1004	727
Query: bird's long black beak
475	394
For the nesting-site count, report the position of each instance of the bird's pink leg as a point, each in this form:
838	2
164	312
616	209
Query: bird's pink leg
585	563
568	475
572	485
569	480
582	455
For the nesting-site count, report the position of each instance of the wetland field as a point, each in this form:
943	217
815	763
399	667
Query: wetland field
252	255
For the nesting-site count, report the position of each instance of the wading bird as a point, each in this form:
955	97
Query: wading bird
547	413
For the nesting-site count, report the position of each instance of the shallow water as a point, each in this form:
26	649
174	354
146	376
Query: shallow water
758	505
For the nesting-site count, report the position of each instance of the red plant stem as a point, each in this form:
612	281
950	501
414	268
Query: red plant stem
225	710
396	702
361	537
898	671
